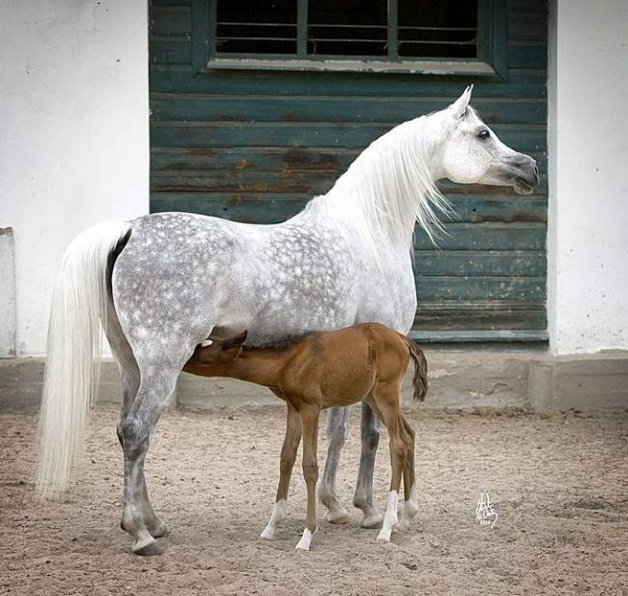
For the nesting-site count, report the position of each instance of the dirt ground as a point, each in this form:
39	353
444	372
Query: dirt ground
559	484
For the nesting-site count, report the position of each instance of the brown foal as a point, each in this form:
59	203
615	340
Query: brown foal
320	370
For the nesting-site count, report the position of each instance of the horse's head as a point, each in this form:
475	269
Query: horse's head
471	153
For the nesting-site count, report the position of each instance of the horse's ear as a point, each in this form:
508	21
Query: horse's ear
459	107
234	342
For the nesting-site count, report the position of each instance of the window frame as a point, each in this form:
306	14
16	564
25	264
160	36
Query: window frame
491	60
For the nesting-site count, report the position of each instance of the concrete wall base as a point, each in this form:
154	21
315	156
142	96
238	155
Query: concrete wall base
459	378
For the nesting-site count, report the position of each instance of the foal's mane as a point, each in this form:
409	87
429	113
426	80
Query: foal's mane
280	343
388	189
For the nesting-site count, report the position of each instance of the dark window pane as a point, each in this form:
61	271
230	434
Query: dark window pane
438	29
348	28
263	27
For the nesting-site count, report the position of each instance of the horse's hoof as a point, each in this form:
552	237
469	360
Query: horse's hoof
339	516
384	536
267	534
148	550
371	520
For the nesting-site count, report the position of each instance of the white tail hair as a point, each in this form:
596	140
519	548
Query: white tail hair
79	304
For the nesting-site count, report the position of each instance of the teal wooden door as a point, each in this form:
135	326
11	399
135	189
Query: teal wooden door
255	145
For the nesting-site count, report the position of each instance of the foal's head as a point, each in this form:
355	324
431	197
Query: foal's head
471	153
218	351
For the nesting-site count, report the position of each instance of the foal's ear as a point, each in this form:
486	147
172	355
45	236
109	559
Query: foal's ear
234	342
459	107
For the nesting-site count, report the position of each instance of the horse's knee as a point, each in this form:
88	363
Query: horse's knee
133	435
399	449
337	428
310	471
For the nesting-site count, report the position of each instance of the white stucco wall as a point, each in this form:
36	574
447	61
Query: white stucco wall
73	134
588	152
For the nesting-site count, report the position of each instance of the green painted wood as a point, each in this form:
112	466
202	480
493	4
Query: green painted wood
487	263
527	27
307	183
171	21
470	236
527	289
181	79
480	336
531	54
278	108
484	316
256	145
261	205
530	6
170	50
305	134
282	161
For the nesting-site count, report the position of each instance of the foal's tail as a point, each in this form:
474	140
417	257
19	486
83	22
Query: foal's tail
79	304
419	382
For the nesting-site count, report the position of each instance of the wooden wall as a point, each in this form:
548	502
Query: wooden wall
254	146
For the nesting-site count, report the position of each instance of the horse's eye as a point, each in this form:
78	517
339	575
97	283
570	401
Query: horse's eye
484	134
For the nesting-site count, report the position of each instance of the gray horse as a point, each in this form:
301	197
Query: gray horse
163	283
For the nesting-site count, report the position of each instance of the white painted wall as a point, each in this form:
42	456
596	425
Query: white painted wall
588	152
73	134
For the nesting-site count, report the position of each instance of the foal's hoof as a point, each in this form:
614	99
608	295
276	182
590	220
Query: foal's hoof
148	550
371	519
338	516
384	536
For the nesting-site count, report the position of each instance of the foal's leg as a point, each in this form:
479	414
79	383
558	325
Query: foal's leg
410	506
156	387
288	455
363	497
387	400
337	425
309	423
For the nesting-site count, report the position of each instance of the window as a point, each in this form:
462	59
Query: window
321	34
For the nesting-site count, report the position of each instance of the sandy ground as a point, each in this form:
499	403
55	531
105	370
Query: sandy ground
559	484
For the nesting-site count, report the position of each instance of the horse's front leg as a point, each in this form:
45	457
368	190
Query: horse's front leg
363	497
288	456
309	422
337	425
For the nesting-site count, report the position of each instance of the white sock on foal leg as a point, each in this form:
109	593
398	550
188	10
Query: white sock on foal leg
306	540
409	509
276	517
390	518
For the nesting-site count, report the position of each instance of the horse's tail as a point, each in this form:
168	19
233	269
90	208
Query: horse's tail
79	304
419	381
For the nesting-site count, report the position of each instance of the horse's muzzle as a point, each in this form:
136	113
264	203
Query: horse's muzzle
526	174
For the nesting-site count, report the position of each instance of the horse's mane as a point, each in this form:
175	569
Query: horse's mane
388	189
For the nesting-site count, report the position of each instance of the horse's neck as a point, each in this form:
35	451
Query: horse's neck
259	366
388	188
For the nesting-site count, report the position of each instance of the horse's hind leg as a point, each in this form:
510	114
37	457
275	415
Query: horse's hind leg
130	381
156	387
337	425
363	497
